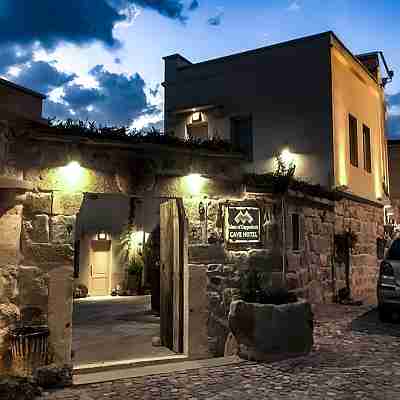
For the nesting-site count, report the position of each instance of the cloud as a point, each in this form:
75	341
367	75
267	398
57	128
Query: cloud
52	109
294	6
118	100
42	76
80	22
193	5
13	55
216	20
393	126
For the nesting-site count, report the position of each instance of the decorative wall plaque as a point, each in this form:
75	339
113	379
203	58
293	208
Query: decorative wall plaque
243	224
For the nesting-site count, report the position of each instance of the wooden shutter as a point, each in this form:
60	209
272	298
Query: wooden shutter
367	148
353	141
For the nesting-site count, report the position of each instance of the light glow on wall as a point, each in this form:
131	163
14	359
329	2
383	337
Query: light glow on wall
194	183
287	157
73	176
136	239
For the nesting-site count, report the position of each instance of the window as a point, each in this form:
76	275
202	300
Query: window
367	148
296	231
242	135
198	128
353	140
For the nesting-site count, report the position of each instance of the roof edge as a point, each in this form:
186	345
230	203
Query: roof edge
259	49
22	88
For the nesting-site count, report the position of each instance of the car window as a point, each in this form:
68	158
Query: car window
394	251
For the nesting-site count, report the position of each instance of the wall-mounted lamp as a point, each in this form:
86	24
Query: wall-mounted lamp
102	236
196	116
73	175
194	183
287	156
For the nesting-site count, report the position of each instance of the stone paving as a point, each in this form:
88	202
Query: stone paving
355	357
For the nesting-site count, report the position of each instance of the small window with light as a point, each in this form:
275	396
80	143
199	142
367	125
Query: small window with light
197	128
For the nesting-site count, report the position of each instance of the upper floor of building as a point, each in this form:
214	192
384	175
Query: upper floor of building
311	95
18	101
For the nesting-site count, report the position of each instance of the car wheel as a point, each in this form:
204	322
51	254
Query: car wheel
384	315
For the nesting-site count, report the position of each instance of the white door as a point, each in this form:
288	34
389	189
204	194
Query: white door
99	271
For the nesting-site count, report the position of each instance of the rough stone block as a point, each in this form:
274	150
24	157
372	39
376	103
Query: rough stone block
206	254
63	229
323	260
10	234
67	203
9	314
267	332
316	226
8	283
37	203
292	281
46	253
38	230
314	244
60	313
33	288
294	261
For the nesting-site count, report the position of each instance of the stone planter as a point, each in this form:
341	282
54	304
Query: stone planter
267	332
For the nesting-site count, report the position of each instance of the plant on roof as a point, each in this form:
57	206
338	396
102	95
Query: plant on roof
90	130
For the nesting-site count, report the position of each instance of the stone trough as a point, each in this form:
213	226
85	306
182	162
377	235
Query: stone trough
268	332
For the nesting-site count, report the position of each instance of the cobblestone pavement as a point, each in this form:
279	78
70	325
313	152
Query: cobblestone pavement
355	357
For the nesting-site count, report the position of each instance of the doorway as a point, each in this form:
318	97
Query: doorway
100	265
129	308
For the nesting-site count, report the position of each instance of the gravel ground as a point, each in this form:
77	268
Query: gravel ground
355	357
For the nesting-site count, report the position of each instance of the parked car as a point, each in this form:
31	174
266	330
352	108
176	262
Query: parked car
389	284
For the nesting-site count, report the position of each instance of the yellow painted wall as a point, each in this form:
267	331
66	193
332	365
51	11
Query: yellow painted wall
355	92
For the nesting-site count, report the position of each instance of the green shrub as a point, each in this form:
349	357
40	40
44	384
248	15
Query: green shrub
135	267
255	288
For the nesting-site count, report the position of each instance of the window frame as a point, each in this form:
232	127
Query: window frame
295	232
249	117
367	155
353	140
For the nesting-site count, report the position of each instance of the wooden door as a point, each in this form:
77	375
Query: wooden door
173	248
99	270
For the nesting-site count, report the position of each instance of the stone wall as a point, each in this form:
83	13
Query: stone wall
366	221
312	270
309	269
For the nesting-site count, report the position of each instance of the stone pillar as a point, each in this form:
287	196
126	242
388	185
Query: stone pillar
47	244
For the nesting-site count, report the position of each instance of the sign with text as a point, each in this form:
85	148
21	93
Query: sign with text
243	224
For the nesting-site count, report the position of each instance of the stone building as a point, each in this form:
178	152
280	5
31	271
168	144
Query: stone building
215	223
322	108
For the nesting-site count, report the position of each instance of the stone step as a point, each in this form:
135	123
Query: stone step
83	376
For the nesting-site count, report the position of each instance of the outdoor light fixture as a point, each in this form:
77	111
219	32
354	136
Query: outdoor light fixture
102	236
196	116
195	183
73	175
287	156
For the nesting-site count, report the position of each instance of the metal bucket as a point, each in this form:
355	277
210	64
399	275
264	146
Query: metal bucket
29	349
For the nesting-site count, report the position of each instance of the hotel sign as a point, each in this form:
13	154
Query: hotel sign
243	224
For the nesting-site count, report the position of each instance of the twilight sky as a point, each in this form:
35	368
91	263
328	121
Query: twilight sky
102	59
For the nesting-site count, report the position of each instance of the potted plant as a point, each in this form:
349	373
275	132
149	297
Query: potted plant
135	270
269	323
